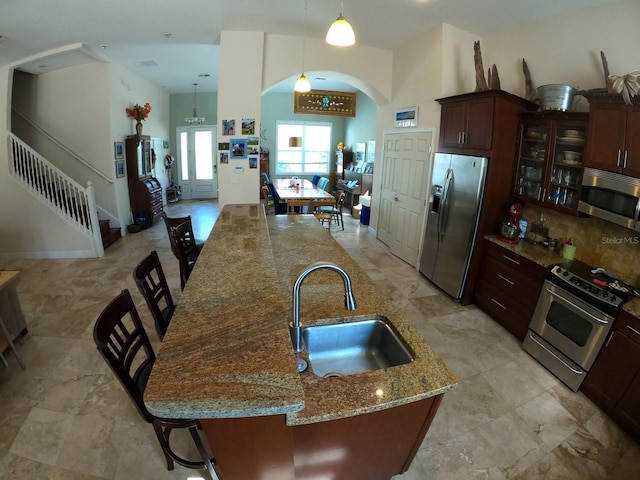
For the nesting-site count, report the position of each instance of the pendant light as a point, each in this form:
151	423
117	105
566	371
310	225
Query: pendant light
302	84
195	120
340	33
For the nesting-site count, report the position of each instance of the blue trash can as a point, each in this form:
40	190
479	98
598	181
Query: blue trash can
365	214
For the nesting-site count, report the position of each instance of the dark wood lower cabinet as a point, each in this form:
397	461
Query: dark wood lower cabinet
373	446
613	383
508	288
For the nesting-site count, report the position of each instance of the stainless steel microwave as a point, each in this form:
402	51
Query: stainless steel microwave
611	197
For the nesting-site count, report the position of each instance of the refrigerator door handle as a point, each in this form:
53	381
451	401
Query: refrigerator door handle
442	216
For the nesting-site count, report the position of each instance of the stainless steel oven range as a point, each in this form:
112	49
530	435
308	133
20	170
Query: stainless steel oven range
573	316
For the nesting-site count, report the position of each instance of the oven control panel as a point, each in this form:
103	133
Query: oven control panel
562	275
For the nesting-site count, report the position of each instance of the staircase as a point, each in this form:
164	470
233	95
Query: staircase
61	194
109	235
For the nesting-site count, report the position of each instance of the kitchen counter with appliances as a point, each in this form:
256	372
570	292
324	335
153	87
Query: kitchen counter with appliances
544	257
227	357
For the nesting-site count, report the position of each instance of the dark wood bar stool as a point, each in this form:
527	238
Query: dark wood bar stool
183	244
153	286
185	250
125	346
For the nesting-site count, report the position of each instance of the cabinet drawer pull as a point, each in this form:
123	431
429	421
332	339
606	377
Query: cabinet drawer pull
633	330
511	259
498	303
609	339
464	137
618	162
506	280
624	162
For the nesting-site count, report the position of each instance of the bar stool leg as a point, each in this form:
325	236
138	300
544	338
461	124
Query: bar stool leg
11	345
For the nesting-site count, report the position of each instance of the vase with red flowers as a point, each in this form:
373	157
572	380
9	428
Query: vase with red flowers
139	113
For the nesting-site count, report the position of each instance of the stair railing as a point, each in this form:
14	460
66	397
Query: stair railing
63	147
63	195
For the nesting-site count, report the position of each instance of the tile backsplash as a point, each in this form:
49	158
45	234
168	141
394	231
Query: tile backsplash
599	243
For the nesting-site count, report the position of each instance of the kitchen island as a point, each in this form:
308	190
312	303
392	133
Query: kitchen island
227	359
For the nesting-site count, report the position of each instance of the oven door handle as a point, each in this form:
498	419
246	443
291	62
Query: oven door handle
577	372
568	302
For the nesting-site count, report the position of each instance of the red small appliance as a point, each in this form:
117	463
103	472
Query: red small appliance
510	231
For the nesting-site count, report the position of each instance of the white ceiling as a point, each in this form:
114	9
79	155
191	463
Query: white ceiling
133	32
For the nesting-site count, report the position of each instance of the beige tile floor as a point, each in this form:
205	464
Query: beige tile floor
66	417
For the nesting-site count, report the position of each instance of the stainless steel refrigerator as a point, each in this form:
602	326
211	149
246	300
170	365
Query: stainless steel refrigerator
455	202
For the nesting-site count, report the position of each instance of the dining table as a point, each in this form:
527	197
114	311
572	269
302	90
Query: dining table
307	190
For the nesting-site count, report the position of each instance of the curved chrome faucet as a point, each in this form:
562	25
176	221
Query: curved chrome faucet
349	300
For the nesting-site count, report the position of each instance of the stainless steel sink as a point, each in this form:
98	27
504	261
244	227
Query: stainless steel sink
365	345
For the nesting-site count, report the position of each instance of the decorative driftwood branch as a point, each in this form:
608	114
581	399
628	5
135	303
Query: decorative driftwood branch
605	67
481	82
494	78
627	86
530	93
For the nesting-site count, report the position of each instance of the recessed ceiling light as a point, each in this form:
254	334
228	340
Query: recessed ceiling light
2	38
167	35
205	75
44	65
104	46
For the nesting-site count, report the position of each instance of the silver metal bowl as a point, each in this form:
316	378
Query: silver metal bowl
509	230
556	97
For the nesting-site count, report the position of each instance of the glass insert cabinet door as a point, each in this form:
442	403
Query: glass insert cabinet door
566	173
530	168
549	163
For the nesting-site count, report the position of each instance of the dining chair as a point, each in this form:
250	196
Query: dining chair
322	216
314	180
268	201
265	177
322	183
153	286
185	250
279	205
298	206
123	343
336	209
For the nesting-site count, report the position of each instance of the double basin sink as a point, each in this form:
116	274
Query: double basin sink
364	345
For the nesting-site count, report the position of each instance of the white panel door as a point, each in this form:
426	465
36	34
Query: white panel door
405	175
197	165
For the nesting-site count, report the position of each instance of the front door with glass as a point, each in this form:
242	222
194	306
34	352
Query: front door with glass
197	166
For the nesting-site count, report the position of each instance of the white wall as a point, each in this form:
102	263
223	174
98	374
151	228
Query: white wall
366	68
126	89
567	49
84	108
239	89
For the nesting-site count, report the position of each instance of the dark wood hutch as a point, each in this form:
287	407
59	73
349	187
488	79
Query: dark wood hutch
145	191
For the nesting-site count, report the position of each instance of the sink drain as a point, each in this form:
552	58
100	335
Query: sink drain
302	364
332	375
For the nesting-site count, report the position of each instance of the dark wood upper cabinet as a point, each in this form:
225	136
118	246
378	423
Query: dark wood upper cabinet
464	123
614	141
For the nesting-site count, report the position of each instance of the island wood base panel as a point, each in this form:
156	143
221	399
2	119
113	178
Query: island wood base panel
372	446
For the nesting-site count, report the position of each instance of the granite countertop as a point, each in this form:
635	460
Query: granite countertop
227	352
545	257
